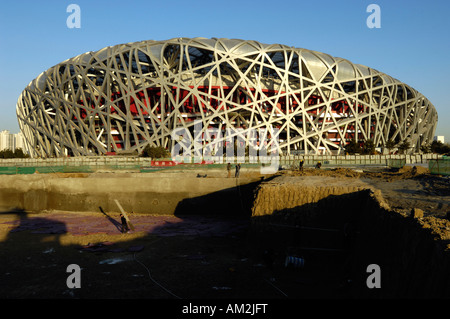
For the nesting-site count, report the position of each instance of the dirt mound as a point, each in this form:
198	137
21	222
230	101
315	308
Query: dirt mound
336	172
435	185
438	226
405	172
346	172
413	170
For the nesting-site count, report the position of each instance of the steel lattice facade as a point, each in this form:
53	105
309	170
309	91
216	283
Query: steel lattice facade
123	97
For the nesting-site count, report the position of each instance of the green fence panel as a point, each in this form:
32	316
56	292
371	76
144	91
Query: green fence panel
26	170
124	166
439	166
396	163
8	170
77	169
49	169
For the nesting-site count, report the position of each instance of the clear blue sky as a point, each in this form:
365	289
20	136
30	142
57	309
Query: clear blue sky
412	45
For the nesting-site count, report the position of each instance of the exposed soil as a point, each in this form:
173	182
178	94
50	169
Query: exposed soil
192	257
404	189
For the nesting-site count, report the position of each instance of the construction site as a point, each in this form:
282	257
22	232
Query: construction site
199	233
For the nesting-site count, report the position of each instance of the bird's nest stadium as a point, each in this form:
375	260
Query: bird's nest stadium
124	97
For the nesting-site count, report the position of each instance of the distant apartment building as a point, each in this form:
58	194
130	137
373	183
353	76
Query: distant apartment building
439	138
11	141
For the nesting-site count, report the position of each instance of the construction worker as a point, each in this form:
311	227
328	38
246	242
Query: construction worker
124	224
238	168
318	165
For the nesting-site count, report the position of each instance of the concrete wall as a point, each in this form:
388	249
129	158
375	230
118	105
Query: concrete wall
142	193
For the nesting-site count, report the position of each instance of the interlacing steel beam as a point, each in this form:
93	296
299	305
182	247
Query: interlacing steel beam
124	97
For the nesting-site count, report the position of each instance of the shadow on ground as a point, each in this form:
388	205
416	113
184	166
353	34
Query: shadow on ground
194	254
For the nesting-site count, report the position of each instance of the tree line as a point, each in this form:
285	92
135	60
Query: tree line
17	153
368	147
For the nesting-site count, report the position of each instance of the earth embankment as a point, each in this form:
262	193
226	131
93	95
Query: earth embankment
346	223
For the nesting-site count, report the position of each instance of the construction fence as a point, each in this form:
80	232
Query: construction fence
437	163
440	166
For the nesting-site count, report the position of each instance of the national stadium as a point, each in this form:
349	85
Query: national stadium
122	98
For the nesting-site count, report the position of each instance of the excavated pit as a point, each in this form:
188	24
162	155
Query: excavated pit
338	231
170	193
338	226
